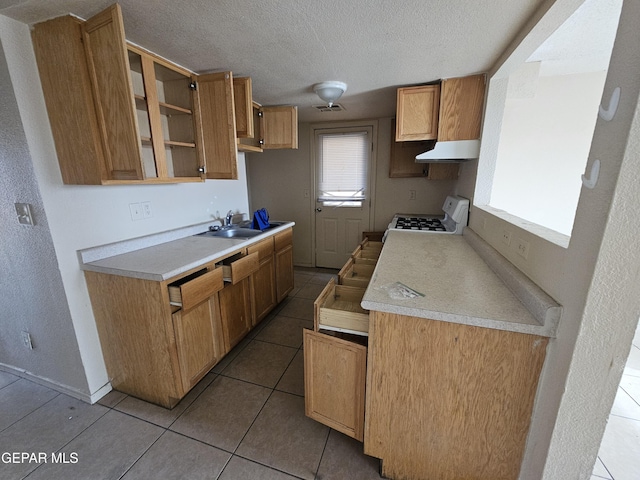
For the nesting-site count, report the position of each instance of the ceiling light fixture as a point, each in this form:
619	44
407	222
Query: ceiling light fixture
330	91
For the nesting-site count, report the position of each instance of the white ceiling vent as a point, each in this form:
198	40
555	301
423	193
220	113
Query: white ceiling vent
336	107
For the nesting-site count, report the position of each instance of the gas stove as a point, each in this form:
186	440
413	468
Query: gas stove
456	215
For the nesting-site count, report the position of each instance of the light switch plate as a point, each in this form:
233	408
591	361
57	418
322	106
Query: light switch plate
23	210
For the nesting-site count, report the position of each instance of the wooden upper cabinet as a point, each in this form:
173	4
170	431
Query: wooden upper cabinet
461	104
218	125
450	111
279	126
242	100
119	114
417	113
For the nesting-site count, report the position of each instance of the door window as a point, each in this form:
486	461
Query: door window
343	168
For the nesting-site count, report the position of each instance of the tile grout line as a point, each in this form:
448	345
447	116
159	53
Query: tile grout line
73	438
34	410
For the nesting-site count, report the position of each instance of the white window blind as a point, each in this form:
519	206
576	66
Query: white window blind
344	160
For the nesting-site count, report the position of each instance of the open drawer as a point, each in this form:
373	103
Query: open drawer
239	266
365	257
355	274
190	291
338	309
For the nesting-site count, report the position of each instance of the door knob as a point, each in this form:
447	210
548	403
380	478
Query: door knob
318	209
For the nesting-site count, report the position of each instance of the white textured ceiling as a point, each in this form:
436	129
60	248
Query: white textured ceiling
286	46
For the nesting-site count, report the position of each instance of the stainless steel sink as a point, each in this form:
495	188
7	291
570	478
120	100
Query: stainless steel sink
232	233
244	230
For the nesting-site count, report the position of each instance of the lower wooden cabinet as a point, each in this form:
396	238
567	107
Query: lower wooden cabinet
460	398
440	399
334	382
159	338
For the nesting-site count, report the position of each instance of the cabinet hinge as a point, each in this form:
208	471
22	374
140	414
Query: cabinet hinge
193	86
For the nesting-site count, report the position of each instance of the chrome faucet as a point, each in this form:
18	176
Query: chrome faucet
229	218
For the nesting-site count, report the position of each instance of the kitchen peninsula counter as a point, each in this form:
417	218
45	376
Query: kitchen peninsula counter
456	366
456	284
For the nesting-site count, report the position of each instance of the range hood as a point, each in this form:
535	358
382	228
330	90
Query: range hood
451	152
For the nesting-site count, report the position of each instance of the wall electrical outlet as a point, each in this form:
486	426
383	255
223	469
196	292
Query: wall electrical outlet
26	340
506	237
136	211
146	210
522	247
412	194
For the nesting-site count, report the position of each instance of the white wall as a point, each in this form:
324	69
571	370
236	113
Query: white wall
544	143
595	278
87	216
278	179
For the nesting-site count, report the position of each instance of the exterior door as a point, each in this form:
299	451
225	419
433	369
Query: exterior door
343	199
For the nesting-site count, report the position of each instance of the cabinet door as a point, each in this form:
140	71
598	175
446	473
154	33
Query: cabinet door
263	281
69	99
279	127
284	272
242	100
218	125
334	382
263	290
235	312
197	332
417	113
461	104
108	64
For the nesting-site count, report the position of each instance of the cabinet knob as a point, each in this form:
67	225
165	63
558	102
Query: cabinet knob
200	169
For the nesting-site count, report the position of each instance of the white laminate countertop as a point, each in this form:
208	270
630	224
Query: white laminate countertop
457	284
170	259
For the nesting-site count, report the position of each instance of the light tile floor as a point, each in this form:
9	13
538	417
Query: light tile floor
619	455
244	420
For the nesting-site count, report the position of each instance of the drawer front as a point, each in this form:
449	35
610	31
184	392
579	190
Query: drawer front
334	382
241	268
338	308
283	239
340	320
190	294
264	249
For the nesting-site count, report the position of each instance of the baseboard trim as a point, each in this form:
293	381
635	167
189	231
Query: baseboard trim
59	387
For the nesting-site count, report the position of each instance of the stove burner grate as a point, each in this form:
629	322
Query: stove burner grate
416	223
